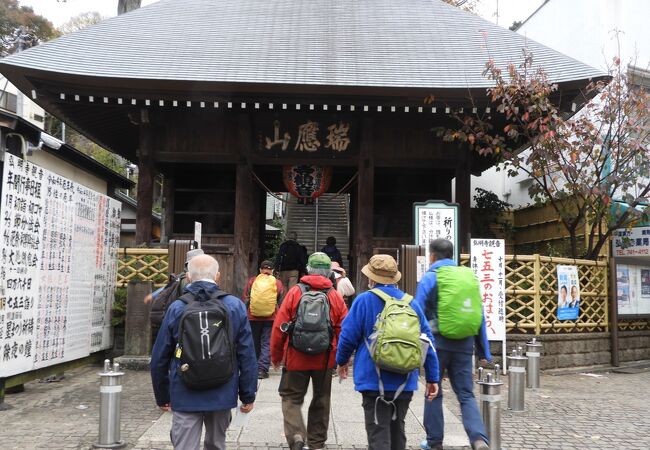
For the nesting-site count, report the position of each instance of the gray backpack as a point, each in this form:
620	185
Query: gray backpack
311	331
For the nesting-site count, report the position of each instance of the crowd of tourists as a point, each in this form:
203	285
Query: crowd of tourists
299	315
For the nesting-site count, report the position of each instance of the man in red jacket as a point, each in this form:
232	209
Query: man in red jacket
301	366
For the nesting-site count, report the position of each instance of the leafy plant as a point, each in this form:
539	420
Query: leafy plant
591	168
119	307
488	212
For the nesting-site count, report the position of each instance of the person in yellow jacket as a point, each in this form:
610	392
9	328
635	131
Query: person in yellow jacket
262	295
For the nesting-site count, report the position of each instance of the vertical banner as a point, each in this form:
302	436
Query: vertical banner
197	233
59	262
568	297
433	220
488	263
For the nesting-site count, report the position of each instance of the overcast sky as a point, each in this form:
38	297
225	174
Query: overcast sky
59	12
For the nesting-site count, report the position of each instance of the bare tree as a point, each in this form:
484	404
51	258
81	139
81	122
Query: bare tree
124	6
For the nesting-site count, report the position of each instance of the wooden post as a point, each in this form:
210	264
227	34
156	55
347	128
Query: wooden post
537	299
464	199
613	312
247	211
167	222
145	182
365	204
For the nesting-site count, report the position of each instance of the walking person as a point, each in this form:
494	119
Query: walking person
342	283
451	299
304	338
262	296
386	393
197	393
290	261
330	250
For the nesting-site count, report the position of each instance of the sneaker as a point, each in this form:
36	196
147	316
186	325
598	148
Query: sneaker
424	445
262	374
480	444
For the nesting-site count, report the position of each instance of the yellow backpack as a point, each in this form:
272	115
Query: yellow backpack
263	296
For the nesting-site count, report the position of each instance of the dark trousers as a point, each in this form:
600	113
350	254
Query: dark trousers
293	387
388	433
261	330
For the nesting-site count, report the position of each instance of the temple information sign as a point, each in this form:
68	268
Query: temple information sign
59	263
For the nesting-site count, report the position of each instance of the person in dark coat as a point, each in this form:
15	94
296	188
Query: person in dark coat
331	250
192	408
291	261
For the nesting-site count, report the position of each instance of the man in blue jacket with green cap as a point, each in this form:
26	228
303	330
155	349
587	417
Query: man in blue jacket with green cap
191	408
455	357
384	414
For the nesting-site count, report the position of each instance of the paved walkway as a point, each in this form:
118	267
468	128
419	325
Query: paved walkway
576	411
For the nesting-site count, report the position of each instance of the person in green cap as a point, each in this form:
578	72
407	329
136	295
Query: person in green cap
303	340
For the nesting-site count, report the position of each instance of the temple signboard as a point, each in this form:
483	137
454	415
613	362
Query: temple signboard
303	135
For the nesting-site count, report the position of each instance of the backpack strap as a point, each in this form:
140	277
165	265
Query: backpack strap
188	297
385	297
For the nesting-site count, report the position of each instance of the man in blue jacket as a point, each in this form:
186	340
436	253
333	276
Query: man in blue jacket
192	408
384	418
455	356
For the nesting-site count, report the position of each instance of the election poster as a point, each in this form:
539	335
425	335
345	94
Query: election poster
568	299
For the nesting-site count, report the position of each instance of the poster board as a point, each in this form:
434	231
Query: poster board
568	289
487	260
435	219
632	242
633	290
58	244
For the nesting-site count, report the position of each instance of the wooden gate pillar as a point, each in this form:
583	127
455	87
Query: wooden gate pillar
464	199
247	212
363	236
145	181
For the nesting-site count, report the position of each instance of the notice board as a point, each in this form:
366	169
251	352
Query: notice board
58	245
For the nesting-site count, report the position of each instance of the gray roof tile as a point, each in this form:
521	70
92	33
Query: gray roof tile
379	43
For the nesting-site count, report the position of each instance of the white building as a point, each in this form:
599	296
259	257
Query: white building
591	31
13	101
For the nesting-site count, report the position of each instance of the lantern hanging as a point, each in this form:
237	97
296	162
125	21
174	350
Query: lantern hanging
307	182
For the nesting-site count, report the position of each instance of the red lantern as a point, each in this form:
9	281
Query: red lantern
306	182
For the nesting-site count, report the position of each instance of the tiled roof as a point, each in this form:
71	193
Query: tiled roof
377	43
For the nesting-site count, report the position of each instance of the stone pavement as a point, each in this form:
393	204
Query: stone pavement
573	411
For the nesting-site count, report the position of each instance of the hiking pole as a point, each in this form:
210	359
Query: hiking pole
516	380
533	352
110	393
490	398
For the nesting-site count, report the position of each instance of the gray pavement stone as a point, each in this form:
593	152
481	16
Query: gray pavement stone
573	411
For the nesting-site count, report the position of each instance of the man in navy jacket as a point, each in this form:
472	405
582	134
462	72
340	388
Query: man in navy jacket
384	418
455	356
191	408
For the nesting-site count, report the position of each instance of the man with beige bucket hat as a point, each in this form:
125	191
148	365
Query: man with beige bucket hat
386	393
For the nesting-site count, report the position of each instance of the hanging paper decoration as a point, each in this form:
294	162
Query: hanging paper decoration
307	182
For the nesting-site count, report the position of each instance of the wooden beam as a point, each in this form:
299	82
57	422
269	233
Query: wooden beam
464	199
363	240
247	211
145	182
167	222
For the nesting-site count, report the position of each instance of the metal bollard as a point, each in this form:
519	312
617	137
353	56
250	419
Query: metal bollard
490	398
533	352
516	380
110	393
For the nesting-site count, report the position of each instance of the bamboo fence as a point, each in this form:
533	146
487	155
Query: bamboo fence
531	290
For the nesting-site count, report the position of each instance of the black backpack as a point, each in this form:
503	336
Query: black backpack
205	347
166	297
311	331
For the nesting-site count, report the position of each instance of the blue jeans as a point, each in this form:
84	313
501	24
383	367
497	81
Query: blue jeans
459	371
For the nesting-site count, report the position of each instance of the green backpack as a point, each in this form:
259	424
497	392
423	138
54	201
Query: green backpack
460	309
395	343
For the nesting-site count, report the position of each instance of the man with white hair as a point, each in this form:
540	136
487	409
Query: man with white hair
303	339
192	407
